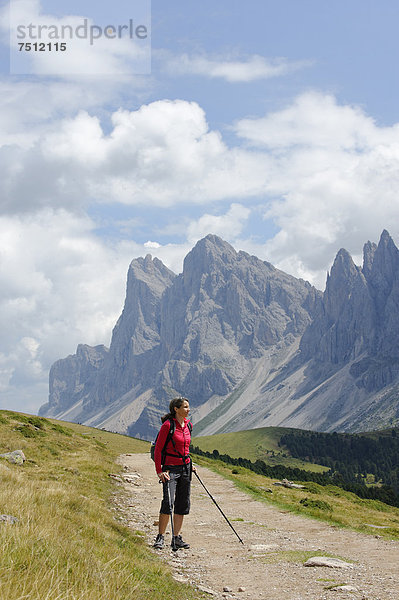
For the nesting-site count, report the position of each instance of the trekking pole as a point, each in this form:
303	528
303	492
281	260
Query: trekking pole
171	517
213	500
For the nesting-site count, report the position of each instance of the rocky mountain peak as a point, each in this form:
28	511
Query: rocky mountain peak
344	280
149	270
343	265
226	331
383	274
147	279
209	254
369	251
213	244
386	257
359	318
386	239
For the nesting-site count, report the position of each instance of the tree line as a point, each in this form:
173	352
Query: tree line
384	493
354	456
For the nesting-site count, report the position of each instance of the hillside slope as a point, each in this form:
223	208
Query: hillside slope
61	535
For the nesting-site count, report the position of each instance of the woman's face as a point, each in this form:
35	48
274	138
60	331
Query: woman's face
183	410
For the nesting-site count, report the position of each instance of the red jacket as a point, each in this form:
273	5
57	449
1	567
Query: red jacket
181	438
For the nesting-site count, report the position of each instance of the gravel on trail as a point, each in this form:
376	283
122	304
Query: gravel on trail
277	543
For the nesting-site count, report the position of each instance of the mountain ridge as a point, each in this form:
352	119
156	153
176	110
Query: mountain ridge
250	345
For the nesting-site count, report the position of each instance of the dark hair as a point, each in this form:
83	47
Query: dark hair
175	403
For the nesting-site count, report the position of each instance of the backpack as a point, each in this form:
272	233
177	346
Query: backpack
169	438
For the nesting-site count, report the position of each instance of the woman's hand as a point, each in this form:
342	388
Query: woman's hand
164	476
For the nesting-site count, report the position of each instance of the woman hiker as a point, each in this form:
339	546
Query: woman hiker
173	467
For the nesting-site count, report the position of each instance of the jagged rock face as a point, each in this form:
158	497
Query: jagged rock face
133	359
249	345
223	310
359	317
383	280
341	330
224	295
194	334
73	378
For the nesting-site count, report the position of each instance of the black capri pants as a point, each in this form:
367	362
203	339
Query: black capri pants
180	488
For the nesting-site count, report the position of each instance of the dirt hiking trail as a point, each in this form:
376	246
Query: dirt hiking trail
269	565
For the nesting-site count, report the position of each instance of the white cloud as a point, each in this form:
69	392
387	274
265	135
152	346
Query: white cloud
228	68
227	226
29	110
335	181
59	286
150	244
162	154
319	167
315	120
309	156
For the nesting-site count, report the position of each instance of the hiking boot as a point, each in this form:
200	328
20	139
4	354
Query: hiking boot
178	542
159	542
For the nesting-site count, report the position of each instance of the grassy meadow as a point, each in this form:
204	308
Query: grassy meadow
327	503
67	543
255	444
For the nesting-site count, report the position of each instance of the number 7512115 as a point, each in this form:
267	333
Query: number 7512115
42	46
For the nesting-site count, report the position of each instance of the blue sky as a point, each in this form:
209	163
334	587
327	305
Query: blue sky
271	124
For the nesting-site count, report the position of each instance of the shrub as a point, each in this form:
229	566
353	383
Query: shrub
320	504
29	431
61	429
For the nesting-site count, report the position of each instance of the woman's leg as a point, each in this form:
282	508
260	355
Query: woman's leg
177	523
169	491
163	523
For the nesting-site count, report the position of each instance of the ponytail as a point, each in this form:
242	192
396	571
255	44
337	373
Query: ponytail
175	403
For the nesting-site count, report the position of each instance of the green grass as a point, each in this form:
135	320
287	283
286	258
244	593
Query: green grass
68	544
255	444
328	503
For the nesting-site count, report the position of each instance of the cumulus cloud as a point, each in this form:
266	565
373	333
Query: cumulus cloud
29	109
318	167
312	120
229	69
59	286
150	244
335	180
228	225
310	156
163	154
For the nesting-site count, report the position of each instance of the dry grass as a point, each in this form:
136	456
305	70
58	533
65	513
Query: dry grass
67	545
327	503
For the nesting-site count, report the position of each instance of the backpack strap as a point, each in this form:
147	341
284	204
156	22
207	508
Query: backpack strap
169	438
